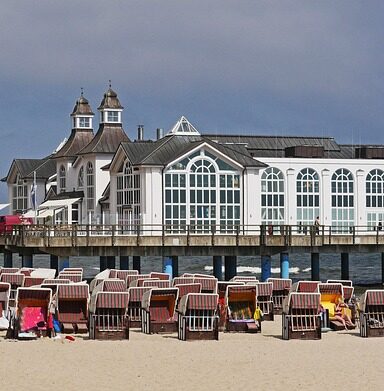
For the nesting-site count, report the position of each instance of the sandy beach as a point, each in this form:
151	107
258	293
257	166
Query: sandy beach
341	360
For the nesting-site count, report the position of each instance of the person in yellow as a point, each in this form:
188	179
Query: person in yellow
258	315
342	314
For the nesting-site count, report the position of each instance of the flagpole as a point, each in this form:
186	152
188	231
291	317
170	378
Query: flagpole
35	195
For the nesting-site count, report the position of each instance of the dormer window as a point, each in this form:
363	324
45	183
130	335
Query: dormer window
112	116
84	122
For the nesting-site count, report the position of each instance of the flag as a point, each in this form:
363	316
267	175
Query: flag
33	192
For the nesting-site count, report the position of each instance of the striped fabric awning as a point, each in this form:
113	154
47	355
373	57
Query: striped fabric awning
343	282
134	277
264	288
299	300
182	280
348	292
31	281
136	293
157	283
280	284
12	278
26	272
161	276
374	297
50	281
113	273
222	285
308	286
241	289
245	279
74	277
202	301
9	270
73	291
325	288
188	288
208	285
112	300
111	285
4	286
41	294
123	274
140	281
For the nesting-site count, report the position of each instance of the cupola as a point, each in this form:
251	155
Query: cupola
110	108
82	114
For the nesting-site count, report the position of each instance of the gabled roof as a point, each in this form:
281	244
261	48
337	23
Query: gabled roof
67	195
106	140
184	127
44	168
169	148
76	142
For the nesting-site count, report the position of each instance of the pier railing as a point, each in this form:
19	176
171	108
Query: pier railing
78	235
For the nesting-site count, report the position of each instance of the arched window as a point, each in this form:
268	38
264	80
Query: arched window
19	195
342	200
307	196
62	179
128	197
90	188
202	191
375	198
272	196
80	178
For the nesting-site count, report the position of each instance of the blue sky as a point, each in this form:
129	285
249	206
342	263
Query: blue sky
245	67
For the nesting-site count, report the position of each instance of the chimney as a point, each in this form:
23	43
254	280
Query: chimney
140	132
159	133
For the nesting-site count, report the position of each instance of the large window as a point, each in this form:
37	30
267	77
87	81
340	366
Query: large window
202	191
62	179
90	189
308	197
128	198
84	122
272	197
19	195
342	200
113	116
80	178
375	198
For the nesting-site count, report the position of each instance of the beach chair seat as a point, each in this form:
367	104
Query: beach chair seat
108	316
158	309
197	317
301	316
241	304
134	305
32	316
281	289
222	309
372	313
72	307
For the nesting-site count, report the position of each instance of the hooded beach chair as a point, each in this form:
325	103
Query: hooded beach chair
72	276
264	299
113	285
208	285
244	279
305	286
348	289
32	281
197	316
72	307
98	278
222	308
156	283
5	291
108	315
158	307
372	313
301	316
134	305
241	304
281	288
123	274
16	280
52	284
32	316
134	277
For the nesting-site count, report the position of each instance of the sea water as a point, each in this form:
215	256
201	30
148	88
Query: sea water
364	269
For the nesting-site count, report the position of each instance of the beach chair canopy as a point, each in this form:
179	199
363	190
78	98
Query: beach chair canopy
74	277
182	280
123	274
241	293
32	281
202	275
9	270
33	297
301	301
208	285
343	282
15	279
188	288
280	284
131	278
140	281
113	285
198	301
372	297
264	288
306	286
157	283
136	293
160	276
110	300
43	273
73	291
244	278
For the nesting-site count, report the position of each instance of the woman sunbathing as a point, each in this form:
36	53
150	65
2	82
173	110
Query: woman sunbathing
341	314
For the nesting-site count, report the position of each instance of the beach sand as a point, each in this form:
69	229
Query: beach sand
340	360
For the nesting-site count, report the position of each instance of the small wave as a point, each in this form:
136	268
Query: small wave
255	270
306	270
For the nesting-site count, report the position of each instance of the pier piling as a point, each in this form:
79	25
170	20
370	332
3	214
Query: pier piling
8	258
63	262
124	262
345	266
54	262
315	266
27	260
284	265
265	267
218	267
136	263
230	267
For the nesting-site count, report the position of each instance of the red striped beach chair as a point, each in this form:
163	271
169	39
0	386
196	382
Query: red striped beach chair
134	305
132	278
108	315
301	316
208	285
372	313
123	274
348	289
306	286
16	280
113	285
197	317
281	288
32	281
222	308
9	270
32	316
160	276
158	309
52	284
182	280
73	276
156	283
5	291
264	299
140	281
244	279
72	307
241	304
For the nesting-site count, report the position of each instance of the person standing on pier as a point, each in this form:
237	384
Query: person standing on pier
317	225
